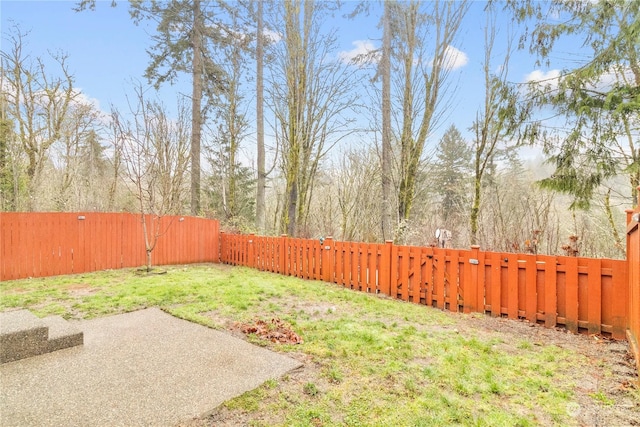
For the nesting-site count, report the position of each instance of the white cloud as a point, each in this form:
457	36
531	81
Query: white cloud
454	58
82	98
542	76
364	52
548	79
621	74
272	36
605	82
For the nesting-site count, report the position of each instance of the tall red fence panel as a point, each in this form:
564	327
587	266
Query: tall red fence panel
39	244
581	294
633	258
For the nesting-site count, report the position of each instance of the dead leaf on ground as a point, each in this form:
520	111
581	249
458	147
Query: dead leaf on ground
274	330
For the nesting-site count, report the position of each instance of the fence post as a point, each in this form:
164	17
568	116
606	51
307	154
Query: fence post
384	273
327	260
633	279
251	262
470	288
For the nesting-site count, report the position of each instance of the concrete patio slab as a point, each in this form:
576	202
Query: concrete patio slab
141	368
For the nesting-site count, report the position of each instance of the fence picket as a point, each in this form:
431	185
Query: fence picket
550	296
571	291
427	276
594	283
513	296
439	276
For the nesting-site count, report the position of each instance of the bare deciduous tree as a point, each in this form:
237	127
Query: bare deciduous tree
155	154
312	99
76	150
38	103
497	119
386	169
424	55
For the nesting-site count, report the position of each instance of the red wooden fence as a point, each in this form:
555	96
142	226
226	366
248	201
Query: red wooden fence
49	244
633	259
581	294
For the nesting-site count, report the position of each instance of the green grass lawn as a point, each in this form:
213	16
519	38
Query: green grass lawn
368	360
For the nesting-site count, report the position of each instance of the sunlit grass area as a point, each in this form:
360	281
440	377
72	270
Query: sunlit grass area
369	360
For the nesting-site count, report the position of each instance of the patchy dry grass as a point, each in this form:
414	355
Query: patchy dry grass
368	360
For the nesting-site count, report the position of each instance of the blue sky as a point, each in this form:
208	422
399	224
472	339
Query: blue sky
107	51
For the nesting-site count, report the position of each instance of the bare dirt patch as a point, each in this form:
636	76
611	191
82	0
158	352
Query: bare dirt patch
314	310
80	289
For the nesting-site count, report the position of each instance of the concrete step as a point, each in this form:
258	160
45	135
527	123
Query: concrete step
62	334
23	335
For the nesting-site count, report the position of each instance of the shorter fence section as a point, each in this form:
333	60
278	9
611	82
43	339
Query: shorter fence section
49	244
580	294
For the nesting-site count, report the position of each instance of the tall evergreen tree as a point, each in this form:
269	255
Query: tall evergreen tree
599	98
188	33
236	183
450	175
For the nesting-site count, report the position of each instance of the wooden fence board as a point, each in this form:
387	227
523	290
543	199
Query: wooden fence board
470	288
512	286
452	284
571	294
496	284
403	280
393	266
414	279
633	282
439	277
372	268
481	284
427	276
594	305
339	263
550	289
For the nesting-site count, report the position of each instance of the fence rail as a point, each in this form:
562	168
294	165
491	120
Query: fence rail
580	294
49	244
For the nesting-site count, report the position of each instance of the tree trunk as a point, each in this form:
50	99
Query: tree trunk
292	210
618	243
387	232
475	208
261	183
148	261
196	110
